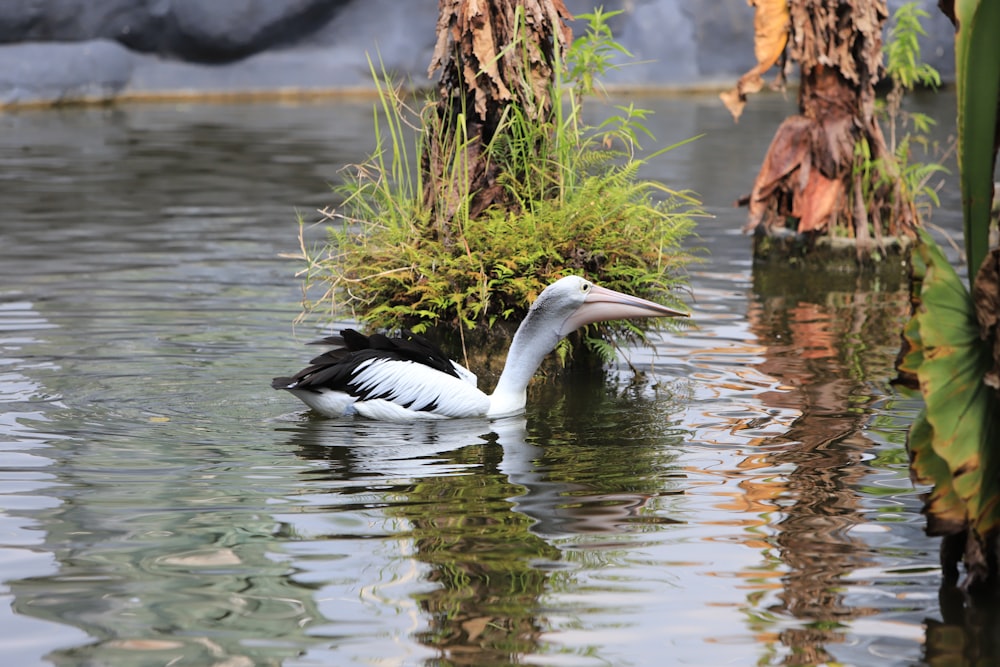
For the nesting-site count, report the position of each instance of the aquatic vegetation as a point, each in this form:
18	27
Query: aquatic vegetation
424	239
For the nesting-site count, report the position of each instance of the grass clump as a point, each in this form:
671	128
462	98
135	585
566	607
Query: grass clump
569	200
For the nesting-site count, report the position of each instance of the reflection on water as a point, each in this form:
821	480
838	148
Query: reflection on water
826	477
745	501
834	351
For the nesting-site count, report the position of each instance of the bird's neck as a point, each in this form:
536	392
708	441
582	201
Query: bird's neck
530	345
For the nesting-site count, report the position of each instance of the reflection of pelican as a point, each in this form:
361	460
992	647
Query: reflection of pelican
379	450
381	453
405	379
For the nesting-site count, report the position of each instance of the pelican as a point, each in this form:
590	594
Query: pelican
408	378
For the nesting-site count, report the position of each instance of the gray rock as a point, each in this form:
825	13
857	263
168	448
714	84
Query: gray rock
77	20
35	73
401	35
215	31
224	31
236	46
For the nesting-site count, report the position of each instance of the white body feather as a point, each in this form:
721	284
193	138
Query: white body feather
408	388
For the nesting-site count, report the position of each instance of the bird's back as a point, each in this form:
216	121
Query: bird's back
403	377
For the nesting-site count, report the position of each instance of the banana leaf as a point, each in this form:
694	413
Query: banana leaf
951	441
977	83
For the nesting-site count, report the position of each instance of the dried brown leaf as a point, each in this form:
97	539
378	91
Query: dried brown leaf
770	23
788	150
986	299
816	203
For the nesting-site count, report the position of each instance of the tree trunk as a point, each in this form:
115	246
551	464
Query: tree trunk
811	181
493	55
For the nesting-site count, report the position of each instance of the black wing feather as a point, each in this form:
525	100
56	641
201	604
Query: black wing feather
335	368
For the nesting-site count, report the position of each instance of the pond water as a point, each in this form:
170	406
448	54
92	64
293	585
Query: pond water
744	502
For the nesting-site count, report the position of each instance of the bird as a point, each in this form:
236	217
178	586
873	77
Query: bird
407	378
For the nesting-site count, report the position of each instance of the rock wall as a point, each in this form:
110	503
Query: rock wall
99	50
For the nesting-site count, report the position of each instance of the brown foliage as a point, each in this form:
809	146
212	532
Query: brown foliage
770	27
473	51
844	36
801	176
807	180
986	297
491	54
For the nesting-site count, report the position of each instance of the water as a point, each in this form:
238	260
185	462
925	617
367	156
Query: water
745	502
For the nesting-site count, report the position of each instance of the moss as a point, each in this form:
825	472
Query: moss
830	254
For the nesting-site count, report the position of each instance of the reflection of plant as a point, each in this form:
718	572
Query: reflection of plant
480	559
568	200
951	340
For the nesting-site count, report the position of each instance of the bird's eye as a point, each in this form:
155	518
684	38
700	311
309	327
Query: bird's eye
585	287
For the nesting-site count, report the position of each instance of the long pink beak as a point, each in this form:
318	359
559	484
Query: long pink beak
604	304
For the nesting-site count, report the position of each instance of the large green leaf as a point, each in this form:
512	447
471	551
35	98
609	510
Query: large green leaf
950	442
977	82
953	442
945	510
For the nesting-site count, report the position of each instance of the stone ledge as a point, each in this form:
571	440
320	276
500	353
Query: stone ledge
833	254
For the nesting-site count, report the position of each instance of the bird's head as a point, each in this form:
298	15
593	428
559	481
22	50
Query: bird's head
573	302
